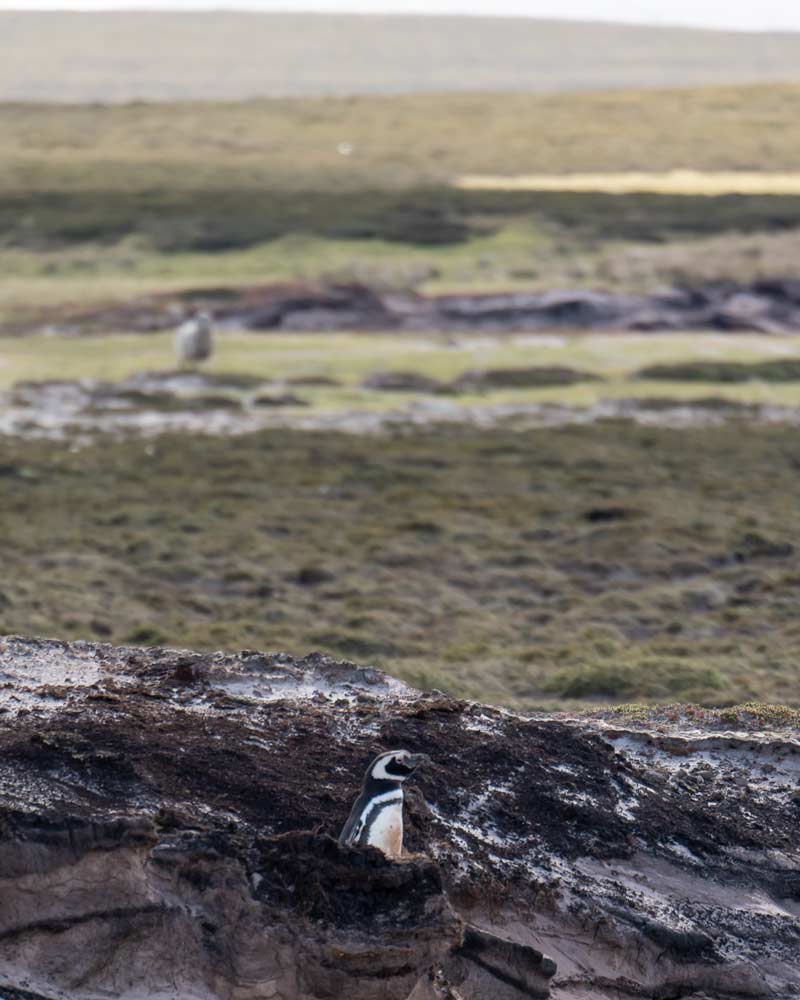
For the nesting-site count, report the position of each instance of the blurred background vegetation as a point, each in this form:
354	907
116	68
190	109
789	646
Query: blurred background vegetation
133	55
104	201
593	559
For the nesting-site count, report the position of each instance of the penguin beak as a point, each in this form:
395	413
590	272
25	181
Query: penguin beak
416	759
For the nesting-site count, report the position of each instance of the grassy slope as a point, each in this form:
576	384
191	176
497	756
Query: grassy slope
398	551
398	142
99	202
124	56
36	285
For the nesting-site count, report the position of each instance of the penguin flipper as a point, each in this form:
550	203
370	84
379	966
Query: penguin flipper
353	828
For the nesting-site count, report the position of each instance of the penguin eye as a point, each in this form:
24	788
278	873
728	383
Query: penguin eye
397	765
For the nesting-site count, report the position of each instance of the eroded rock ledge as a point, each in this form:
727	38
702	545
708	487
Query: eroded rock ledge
167	824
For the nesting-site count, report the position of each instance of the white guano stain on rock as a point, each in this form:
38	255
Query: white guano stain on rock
175	809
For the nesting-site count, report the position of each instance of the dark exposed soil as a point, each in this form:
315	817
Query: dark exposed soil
769	306
142	790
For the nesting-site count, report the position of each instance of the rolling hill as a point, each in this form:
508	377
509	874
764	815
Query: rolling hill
348	144
156	56
188	176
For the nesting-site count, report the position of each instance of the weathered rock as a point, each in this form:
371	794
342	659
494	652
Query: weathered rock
167	824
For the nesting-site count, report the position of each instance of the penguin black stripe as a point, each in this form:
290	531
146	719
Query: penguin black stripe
370	811
398	769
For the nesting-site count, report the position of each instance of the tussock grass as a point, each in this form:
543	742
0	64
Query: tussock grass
466	560
750	716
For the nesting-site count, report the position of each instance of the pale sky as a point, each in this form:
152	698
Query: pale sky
739	14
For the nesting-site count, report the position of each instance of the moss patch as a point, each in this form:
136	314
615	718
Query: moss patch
784	370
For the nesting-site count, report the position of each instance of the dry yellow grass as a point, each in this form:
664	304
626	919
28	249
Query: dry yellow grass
673	182
398	142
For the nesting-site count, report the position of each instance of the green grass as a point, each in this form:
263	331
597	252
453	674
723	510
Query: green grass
396	142
473	561
751	715
108	202
614	359
211	177
563	567
37	286
124	56
484	562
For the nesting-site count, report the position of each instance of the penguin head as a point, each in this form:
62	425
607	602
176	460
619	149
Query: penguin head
394	765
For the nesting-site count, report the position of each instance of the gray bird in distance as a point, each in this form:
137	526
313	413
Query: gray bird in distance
194	340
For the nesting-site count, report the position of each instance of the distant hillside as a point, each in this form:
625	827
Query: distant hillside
212	176
78	57
359	143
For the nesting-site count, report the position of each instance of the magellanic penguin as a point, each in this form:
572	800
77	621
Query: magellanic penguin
376	819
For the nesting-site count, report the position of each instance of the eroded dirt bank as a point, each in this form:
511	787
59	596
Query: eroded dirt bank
166	823
767	306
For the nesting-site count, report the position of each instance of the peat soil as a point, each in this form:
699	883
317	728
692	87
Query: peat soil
766	306
166	825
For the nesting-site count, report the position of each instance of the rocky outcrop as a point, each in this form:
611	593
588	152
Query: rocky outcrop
168	822
768	306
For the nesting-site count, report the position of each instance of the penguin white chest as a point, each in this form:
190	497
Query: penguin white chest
386	829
